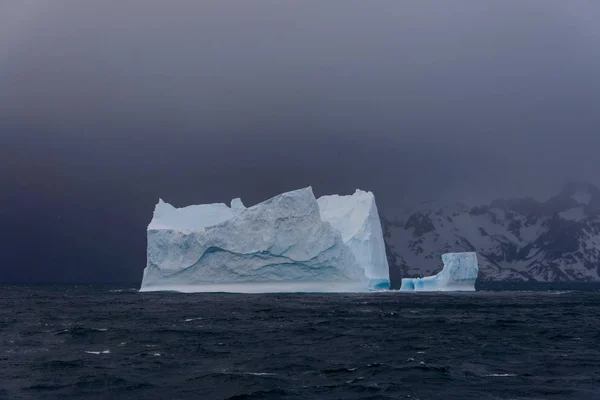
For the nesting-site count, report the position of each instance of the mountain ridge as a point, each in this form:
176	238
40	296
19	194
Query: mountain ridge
519	239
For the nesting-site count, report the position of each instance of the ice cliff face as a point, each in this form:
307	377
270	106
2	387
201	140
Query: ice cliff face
458	274
282	244
357	219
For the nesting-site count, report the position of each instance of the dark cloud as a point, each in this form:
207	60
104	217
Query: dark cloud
105	106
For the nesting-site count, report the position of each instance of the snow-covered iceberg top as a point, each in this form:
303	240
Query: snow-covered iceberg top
189	218
458	274
291	242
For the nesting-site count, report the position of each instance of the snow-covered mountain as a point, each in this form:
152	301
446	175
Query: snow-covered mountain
517	239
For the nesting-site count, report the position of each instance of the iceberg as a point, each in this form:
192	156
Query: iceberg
289	243
458	274
357	219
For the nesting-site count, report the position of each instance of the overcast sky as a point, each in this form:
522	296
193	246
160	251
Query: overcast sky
107	105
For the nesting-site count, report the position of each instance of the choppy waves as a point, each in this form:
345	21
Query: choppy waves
116	343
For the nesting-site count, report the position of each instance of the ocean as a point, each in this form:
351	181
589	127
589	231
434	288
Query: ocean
95	342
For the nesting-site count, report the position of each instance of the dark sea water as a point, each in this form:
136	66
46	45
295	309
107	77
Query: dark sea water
112	343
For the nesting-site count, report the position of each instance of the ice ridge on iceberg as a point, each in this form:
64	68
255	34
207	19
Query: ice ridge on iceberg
282	244
458	274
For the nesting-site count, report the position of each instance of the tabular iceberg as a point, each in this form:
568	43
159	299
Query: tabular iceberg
458	274
282	244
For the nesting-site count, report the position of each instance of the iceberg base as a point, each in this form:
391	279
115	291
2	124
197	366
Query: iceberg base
379	284
432	285
260	287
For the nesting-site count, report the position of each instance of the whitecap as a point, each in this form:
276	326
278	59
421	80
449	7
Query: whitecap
360	378
501	375
98	352
261	373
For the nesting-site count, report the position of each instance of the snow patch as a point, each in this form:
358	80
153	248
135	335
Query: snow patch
582	197
573	214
